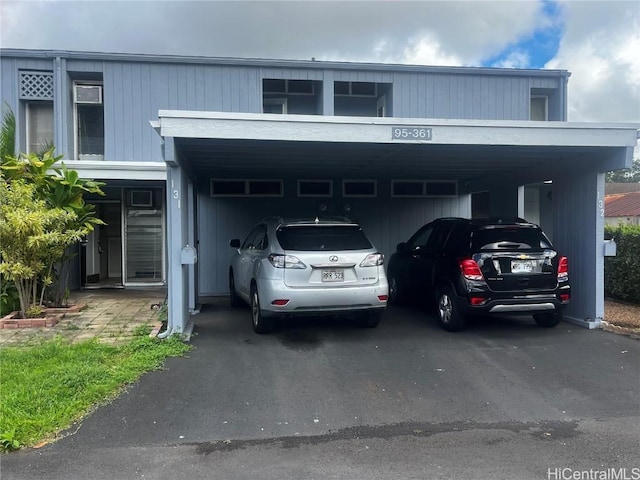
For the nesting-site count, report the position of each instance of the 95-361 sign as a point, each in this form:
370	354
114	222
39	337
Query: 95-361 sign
411	133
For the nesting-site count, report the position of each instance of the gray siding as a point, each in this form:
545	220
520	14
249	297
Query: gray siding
578	233
482	97
134	92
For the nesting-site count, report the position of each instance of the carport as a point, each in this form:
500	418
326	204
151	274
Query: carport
565	161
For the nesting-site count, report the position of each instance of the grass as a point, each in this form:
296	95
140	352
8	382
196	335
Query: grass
46	387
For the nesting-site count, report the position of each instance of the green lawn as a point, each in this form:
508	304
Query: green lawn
46	387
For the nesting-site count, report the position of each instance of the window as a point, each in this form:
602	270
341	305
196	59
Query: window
257	239
241	188
407	188
274	105
266	188
359	188
89	118
39	126
358	89
424	188
421	237
539	108
315	188
301	87
322	237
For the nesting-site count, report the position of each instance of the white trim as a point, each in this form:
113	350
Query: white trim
110	170
316	128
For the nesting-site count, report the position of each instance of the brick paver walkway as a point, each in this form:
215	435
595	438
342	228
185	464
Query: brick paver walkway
110	315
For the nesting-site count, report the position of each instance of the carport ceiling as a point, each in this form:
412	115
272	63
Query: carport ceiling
269	159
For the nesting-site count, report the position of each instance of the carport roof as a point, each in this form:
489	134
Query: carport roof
228	144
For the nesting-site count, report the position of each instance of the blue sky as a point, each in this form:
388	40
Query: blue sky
536	49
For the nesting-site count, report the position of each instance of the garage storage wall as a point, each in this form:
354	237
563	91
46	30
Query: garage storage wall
385	220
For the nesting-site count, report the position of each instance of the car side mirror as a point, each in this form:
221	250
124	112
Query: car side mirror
402	247
235	243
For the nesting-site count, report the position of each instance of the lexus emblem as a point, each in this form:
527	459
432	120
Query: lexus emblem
333	258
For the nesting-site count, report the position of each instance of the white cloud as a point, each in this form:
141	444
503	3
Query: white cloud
601	49
427	49
516	59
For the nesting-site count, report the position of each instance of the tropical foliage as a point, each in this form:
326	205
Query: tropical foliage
622	272
626	175
42	214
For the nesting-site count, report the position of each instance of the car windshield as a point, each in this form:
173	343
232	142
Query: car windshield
322	237
509	237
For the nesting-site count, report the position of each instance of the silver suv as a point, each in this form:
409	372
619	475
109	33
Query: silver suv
320	266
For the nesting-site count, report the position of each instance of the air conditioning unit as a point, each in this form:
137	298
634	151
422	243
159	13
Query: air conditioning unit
87	94
141	198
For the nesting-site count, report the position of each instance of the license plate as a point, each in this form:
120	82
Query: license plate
521	266
333	275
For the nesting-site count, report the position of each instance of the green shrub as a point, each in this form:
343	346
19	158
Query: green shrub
622	272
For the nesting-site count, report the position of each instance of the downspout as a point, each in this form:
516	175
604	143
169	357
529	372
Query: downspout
166	333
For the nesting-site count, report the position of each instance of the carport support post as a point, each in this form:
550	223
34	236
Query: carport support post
177	237
578	233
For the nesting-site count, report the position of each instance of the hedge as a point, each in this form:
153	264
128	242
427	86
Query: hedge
622	272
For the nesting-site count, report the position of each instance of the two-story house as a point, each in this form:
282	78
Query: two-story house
195	150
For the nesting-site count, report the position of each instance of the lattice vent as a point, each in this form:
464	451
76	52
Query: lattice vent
36	85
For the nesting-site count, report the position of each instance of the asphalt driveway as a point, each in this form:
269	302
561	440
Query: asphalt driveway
321	399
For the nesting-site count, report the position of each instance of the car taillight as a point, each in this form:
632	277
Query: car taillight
477	301
285	261
563	269
372	260
470	269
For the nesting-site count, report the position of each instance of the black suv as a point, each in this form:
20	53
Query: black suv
481	267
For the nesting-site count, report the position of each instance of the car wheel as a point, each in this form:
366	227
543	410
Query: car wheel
450	317
370	319
260	323
395	295
548	320
234	299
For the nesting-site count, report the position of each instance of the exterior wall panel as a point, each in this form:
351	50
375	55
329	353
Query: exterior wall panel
485	97
134	92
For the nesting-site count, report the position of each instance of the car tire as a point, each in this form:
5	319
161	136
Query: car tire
261	324
548	320
370	319
395	294
234	299
448	312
